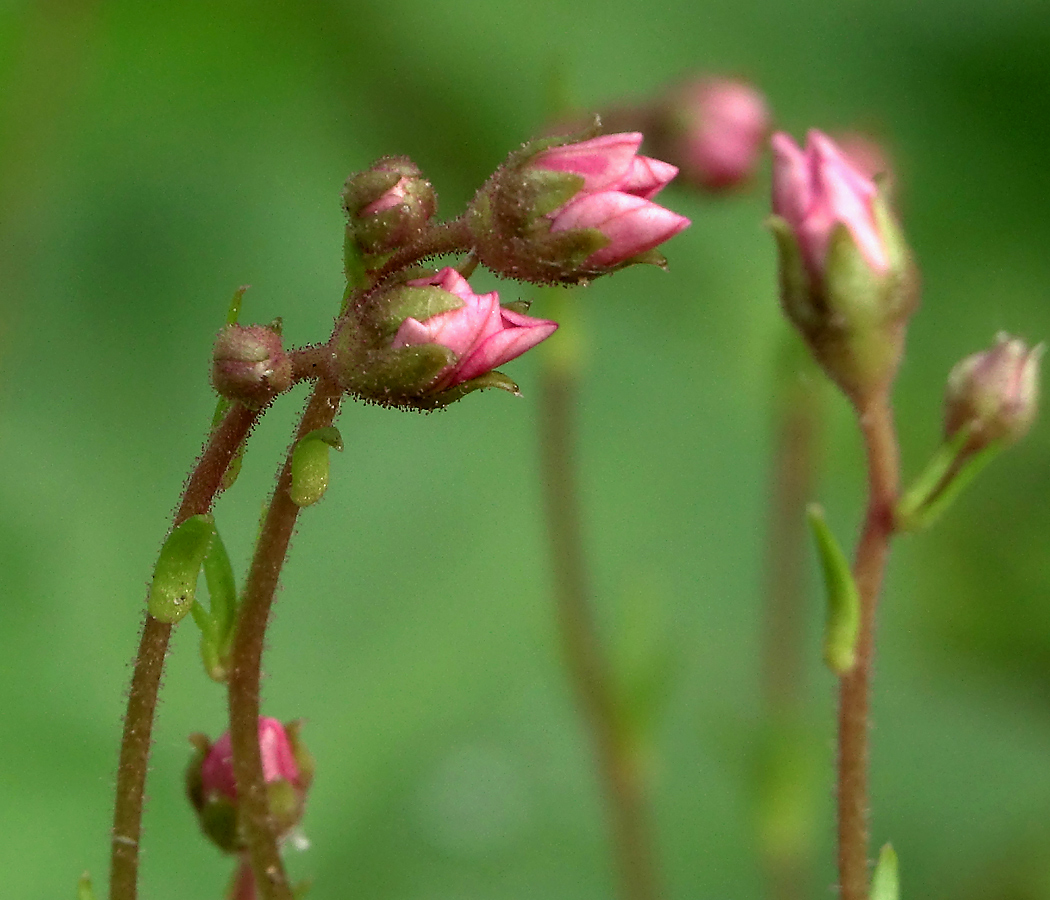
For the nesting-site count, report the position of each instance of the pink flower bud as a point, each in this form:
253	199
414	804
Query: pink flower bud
716	131
618	186
847	279
815	190
388	205
994	393
249	364
277	758
481	334
562	211
212	785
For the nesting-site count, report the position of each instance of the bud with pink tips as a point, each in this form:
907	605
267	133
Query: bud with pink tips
847	279
212	787
432	340
994	394
564	210
715	131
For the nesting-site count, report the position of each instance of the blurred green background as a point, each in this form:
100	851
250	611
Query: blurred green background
154	156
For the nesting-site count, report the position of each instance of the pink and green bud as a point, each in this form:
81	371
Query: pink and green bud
388	205
430	341
565	211
249	364
212	785
848	282
715	131
993	394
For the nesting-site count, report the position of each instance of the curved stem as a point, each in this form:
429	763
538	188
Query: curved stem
615	750
246	659
448	237
204	484
880	442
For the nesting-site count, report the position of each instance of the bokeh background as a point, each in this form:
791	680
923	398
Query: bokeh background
155	156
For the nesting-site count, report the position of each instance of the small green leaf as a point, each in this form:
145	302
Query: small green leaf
843	619
310	465
173	591
84	889
222	587
885	883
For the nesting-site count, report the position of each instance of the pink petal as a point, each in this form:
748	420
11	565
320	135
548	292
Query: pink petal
647	177
502	347
792	189
603	161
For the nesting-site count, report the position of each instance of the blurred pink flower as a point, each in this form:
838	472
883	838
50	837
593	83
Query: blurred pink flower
278	760
481	333
615	197
818	188
718	131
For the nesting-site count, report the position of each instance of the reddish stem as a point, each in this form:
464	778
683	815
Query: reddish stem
204	484
246	659
880	442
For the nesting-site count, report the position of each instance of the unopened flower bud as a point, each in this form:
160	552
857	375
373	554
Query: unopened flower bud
212	786
430	341
714	130
249	364
994	394
561	210
388	205
847	279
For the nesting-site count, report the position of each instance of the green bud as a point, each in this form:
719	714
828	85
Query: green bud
173	590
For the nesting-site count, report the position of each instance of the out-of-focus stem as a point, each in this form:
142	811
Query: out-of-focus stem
197	498
246	659
880	442
615	752
797	417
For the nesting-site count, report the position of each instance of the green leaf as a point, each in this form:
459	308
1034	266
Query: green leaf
174	587
885	883
843	619
234	312
222	587
310	465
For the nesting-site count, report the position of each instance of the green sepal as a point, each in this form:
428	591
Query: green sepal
172	592
233	314
541	191
949	472
795	291
310	465
649	258
885	883
491	379
420	302
518	306
842	625
84	889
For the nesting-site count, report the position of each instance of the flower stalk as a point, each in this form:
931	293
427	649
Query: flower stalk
880	444
203	486
246	658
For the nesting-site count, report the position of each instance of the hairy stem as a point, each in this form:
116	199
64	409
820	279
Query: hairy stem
615	751
880	442
200	491
246	659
